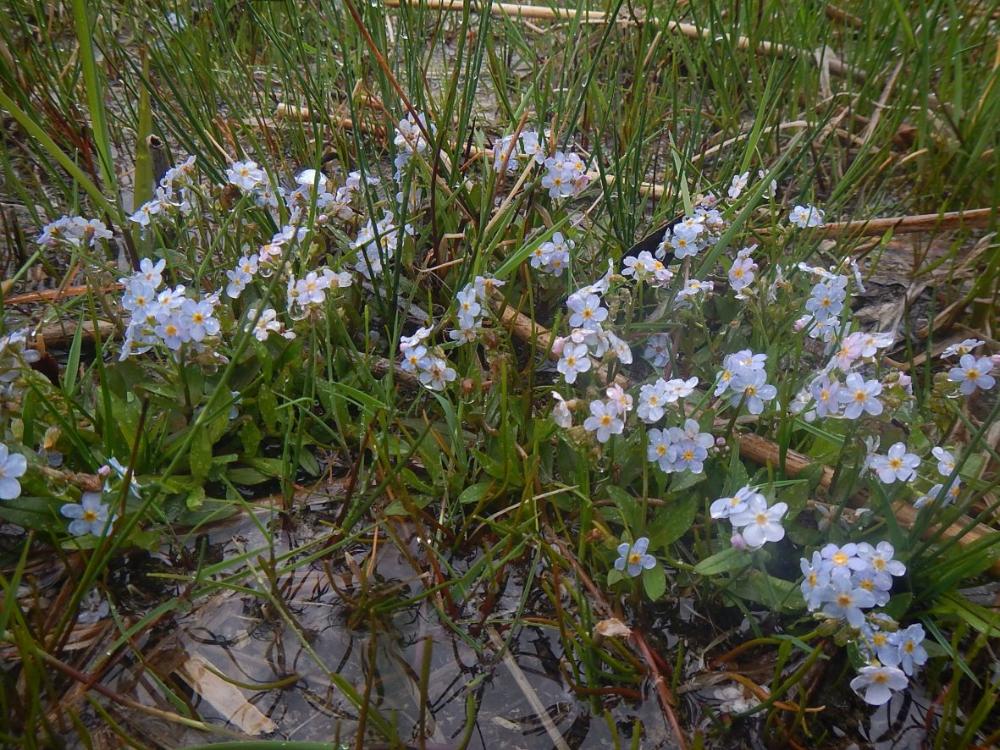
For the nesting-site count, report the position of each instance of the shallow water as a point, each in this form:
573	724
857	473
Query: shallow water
250	643
521	700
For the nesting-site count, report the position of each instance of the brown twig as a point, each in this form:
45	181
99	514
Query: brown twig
54	295
974	218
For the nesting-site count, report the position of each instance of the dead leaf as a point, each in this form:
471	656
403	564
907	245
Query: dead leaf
612	628
224	697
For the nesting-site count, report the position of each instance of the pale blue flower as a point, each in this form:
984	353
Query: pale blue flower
12	466
972	373
845	601
633	558
878	683
910	652
90	515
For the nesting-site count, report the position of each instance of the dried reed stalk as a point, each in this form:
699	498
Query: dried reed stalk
54	295
973	218
688	30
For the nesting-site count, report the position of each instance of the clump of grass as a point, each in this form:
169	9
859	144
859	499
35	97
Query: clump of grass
556	300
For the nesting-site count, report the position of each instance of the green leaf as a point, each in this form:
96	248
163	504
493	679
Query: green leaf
723	562
672	521
200	458
654	581
774	593
247	477
738	477
268	406
250	437
272	467
352	395
38	513
73	361
984	620
628	506
685	480
615	576
195	499
474	494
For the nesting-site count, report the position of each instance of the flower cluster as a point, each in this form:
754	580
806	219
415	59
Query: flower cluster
806	216
676	449
507	153
842	582
607	417
376	244
565	175
845	580
655	397
552	257
742	272
692	234
74	231
166	316
308	294
472	302
589	340
744	379
754	523
838	390
648	269
428	364
173	193
410	139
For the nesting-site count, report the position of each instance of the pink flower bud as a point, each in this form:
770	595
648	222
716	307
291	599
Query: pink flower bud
738	541
557	346
104	471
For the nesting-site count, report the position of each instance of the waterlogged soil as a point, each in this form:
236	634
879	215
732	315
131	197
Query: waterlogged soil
380	653
264	657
